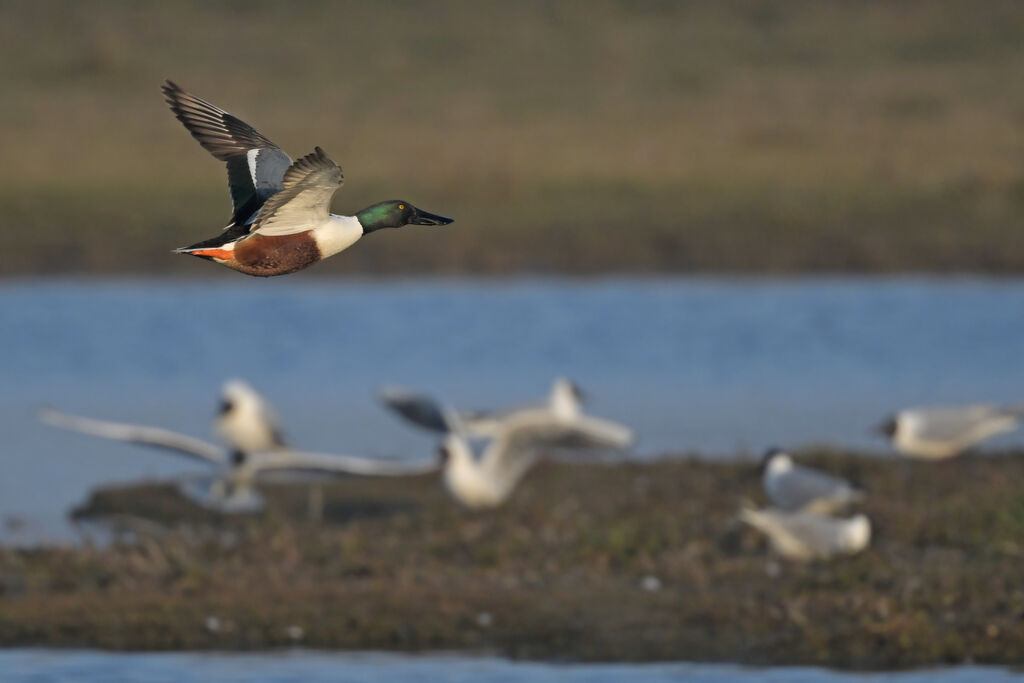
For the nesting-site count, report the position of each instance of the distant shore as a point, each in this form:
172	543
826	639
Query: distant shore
601	137
628	562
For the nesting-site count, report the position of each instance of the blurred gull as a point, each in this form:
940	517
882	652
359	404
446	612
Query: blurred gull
808	535
255	449
942	432
563	403
513	448
792	487
245	421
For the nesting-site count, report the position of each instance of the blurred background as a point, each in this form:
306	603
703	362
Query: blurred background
735	224
566	137
836	148
633	143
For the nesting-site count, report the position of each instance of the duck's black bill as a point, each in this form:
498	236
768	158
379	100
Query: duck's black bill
426	218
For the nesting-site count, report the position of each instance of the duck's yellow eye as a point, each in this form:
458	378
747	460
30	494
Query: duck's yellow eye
401	207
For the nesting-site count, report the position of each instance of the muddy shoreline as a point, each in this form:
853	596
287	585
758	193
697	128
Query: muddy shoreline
609	562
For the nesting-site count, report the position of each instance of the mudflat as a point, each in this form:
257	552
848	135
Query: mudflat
634	561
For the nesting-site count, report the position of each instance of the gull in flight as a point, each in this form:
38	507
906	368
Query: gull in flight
806	535
254	449
564	402
513	447
936	433
281	220
791	487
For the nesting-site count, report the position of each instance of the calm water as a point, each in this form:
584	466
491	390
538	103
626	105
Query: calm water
43	666
719	366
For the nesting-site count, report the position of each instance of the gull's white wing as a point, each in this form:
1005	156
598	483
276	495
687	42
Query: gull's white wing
303	461
802	486
523	437
155	437
959	423
595	432
429	413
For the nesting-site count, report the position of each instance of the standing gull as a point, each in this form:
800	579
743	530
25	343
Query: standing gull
807	535
935	433
792	487
281	220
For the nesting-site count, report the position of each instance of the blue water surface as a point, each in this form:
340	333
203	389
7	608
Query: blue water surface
720	366
52	666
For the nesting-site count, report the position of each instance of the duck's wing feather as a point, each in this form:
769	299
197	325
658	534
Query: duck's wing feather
305	198
155	437
303	461
256	166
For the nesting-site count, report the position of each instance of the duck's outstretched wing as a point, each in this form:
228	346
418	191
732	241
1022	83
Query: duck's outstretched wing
155	437
256	166
305	198
303	461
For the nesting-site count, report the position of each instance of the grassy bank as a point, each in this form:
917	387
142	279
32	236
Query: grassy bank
572	137
563	571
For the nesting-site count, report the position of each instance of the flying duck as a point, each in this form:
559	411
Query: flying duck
281	220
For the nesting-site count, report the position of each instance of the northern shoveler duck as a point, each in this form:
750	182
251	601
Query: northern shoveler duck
281	221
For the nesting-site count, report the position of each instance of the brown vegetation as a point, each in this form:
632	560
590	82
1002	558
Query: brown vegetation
562	571
566	137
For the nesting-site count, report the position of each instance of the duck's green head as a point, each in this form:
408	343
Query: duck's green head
394	214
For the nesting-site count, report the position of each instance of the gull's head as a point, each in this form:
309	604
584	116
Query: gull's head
453	451
395	213
776	460
236	393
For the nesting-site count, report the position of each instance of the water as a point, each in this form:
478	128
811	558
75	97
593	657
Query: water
720	366
44	666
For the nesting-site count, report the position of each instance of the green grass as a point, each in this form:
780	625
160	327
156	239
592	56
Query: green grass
572	137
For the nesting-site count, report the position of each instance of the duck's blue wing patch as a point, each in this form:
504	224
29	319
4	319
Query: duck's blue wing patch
256	166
